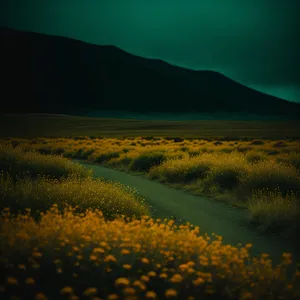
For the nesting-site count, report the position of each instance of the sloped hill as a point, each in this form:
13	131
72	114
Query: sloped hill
51	74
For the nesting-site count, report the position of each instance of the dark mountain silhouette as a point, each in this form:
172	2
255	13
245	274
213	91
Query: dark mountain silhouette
51	74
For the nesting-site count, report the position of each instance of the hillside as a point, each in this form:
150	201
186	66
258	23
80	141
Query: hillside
51	74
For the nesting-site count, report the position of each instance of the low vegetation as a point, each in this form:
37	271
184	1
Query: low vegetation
227	170
86	256
96	239
16	161
39	195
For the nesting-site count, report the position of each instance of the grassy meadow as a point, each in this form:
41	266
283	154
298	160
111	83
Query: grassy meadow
259	175
65	235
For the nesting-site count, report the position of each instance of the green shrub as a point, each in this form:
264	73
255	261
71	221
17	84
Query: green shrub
45	150
82	154
39	195
272	209
257	142
18	162
182	170
279	144
147	160
254	156
106	156
294	159
269	175
225	178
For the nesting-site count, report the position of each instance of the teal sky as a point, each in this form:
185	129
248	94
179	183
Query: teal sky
255	42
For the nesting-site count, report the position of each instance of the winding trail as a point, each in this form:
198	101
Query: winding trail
223	219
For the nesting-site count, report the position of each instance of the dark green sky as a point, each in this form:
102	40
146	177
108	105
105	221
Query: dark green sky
255	42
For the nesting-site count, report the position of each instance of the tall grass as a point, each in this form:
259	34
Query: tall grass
221	169
182	170
39	195
271	208
269	175
16	161
146	160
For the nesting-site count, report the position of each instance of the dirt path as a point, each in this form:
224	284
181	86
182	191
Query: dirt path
229	222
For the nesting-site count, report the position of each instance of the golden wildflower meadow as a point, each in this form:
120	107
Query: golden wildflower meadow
65	235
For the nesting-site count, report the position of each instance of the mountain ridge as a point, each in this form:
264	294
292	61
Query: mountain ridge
64	75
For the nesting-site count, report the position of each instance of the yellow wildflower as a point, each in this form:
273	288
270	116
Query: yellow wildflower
129	291
248	246
122	281
151	294
112	297
99	250
29	280
90	291
22	266
145	260
127	266
40	296
37	254
145	278
170	293
12	280
57	261
246	295
198	281
66	290
176	278
110	258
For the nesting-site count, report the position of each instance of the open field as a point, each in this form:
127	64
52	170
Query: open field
95	255
108	230
259	175
34	125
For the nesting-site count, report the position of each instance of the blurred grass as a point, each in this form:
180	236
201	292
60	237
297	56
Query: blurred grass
85	256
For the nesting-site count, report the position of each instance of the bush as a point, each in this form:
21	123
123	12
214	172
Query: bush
45	150
39	195
226	171
269	175
146	160
106	156
272	209
193	153
226	178
254	156
18	162
294	159
181	170
82	154
257	142
279	144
